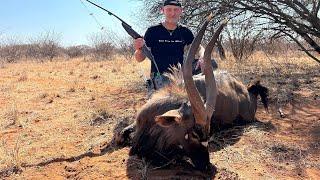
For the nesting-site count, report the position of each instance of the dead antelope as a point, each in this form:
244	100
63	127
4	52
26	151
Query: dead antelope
177	120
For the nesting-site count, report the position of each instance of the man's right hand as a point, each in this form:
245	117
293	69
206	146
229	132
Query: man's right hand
138	43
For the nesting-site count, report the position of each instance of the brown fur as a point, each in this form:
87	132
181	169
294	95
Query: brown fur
234	101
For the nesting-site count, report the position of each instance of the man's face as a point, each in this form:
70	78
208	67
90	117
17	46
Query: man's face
172	13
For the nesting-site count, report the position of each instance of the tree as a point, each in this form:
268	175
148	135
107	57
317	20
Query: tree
76	51
46	45
102	47
11	49
243	40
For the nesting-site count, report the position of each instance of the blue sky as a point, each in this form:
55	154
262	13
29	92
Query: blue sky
69	18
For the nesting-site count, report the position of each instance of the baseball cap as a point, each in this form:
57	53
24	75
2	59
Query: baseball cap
172	2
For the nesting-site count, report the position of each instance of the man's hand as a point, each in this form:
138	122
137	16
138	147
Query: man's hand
138	43
200	64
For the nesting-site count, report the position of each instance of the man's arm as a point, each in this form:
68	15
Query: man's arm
200	57
139	56
200	52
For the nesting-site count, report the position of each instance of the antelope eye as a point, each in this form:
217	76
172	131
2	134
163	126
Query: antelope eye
186	137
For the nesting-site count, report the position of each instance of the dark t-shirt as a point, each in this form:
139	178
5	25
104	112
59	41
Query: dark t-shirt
166	46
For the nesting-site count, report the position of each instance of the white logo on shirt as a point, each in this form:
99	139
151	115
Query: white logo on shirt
170	41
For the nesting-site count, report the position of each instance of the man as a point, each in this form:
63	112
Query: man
167	40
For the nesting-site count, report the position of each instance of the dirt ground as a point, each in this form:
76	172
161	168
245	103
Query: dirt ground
57	121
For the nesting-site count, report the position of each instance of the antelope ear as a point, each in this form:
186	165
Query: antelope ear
253	88
168	118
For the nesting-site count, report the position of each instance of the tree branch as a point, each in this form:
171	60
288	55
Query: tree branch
302	47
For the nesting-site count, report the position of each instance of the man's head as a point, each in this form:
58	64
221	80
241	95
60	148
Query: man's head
172	10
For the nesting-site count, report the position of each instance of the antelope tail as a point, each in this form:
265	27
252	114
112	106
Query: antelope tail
257	89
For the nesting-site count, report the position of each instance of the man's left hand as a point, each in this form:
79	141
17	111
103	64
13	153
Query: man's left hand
200	64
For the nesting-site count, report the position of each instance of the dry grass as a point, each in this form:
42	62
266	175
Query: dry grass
286	75
10	117
10	159
53	114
